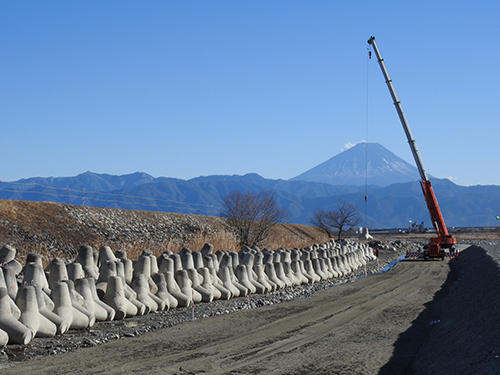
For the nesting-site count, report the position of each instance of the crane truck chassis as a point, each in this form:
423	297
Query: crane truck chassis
444	244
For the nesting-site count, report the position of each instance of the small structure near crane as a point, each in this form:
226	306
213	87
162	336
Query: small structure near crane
415	227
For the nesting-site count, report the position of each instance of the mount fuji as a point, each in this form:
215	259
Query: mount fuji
350	168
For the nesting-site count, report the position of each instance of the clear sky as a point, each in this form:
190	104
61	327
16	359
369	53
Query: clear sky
189	88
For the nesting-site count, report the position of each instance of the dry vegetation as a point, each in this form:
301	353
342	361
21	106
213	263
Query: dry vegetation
58	230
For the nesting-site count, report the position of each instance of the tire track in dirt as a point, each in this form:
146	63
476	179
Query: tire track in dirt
328	318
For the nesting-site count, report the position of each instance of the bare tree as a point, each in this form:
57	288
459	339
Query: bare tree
320	219
344	217
251	215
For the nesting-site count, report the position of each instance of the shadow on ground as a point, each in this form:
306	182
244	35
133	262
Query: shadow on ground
459	330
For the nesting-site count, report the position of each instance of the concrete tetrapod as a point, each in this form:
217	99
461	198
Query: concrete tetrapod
324	268
61	324
82	287
39	276
248	259
262	278
165	263
161	282
75	271
4	338
242	275
57	272
341	266
196	281
115	297
34	274
329	266
335	266
198	260
10	281
140	286
153	264
75	296
185	285
271	274
105	253
252	276
260	272
18	332
280	274
131	295
143	266
344	264
7	253
208	283
177	262
309	269
31	317
162	305
290	274
318	269
225	277
297	269
183	300
228	261
216	282
16	313
235	257
311	277
93	291
64	308
86	258
14	265
128	265
186	255
352	262
208	248
211	261
107	270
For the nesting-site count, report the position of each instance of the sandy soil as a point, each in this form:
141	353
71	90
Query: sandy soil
435	317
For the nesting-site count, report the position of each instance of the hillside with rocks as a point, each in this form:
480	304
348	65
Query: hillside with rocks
58	230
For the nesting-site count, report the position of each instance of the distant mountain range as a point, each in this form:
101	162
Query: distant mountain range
394	194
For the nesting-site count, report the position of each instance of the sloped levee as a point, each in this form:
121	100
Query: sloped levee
459	331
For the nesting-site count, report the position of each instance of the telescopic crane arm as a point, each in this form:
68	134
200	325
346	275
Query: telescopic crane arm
443	239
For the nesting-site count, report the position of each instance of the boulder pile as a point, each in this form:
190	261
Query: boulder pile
100	285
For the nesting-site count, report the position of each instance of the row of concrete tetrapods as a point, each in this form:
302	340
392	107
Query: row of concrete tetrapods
102	285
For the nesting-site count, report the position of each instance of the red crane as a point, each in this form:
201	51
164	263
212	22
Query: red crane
436	247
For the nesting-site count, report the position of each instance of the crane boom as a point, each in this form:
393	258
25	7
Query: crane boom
444	239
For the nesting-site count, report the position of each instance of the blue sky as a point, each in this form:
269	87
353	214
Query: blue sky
183	89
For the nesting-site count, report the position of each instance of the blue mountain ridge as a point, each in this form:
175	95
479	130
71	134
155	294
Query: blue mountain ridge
389	206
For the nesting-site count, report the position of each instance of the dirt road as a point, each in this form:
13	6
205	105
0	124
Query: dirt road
348	329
